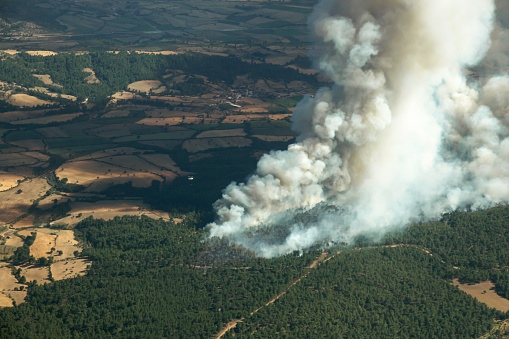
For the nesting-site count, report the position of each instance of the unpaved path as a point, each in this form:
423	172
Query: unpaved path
234	322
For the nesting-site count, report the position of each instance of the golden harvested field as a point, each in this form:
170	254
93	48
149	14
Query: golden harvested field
41	53
31	273
42	244
48	120
66	243
5	301
218	133
146	86
109	209
25	100
14	241
8	180
69	268
123	95
14	205
98	176
273	137
91	79
199	145
7	280
484	292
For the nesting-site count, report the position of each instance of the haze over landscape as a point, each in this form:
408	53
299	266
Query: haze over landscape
402	136
220	168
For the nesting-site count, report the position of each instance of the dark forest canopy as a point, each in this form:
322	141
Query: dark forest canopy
117	70
151	278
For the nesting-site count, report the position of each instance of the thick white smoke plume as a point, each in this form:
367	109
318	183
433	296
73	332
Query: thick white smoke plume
401	136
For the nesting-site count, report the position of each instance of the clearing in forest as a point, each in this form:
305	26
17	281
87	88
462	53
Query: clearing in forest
147	86
25	100
69	268
484	292
91	79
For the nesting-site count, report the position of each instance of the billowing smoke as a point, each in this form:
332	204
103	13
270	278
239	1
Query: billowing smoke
402	136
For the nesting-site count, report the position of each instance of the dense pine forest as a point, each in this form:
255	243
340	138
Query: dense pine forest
151	278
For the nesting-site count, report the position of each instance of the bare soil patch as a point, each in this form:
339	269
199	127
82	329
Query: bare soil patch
25	100
69	268
484	292
199	145
218	133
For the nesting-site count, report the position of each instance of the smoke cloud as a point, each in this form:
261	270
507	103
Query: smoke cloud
403	135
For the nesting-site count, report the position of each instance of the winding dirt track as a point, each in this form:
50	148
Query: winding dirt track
324	257
234	322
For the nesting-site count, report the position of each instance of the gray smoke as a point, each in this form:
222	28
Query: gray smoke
401	136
